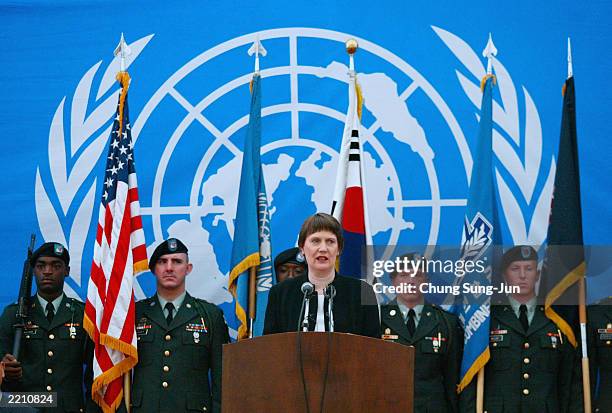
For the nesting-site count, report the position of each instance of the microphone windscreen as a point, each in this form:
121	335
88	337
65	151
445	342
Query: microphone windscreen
307	288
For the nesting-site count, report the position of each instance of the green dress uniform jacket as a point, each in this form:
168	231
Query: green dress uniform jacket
438	343
534	371
53	355
174	360
599	342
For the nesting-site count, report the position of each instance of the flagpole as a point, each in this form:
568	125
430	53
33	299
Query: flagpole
570	68
122	50
582	313
256	49
586	380
351	48
252	298
488	52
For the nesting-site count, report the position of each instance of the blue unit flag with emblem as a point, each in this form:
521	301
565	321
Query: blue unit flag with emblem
479	239
252	241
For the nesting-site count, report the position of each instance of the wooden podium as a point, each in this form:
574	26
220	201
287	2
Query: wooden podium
363	374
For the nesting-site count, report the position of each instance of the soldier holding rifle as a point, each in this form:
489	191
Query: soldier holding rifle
53	349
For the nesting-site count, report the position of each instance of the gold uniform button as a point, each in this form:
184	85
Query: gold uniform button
50	371
50	353
51	336
204	408
608	342
526	392
167	353
166	369
526	376
526	345
526	360
49	388
168	337
494	344
165	384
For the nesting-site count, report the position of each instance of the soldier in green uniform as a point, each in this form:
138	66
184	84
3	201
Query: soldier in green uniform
435	334
599	339
532	366
55	350
180	340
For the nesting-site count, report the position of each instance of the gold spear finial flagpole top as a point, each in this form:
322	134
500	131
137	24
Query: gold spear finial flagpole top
351	46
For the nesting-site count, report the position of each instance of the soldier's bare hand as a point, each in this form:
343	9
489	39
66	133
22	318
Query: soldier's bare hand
12	368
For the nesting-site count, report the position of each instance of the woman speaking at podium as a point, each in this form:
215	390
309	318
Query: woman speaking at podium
304	303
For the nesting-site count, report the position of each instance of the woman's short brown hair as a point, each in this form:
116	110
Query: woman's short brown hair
321	222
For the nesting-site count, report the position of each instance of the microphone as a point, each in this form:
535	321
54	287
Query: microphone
330	293
307	289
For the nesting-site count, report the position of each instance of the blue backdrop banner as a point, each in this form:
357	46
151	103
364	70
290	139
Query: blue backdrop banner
419	65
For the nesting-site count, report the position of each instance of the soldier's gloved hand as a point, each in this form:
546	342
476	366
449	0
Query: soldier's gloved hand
12	368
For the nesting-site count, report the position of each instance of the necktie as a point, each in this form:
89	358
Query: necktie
523	317
411	323
170	308
50	312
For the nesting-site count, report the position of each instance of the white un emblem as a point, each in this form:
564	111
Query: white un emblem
190	134
198	117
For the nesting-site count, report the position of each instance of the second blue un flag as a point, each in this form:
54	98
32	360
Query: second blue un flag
252	242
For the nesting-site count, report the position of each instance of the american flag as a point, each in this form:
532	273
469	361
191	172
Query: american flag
119	253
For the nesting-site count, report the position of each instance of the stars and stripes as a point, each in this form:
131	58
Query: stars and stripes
119	254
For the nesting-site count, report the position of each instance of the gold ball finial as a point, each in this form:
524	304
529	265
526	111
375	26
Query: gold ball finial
351	46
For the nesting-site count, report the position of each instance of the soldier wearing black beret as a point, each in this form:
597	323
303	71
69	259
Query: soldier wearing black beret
54	346
435	334
180	340
289	264
532	366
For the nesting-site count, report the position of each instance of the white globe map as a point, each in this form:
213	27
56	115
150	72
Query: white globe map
417	162
306	163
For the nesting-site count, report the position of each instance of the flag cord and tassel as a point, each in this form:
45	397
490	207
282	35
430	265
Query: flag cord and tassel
124	79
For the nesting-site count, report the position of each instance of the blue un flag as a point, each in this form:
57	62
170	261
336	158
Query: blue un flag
252	240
